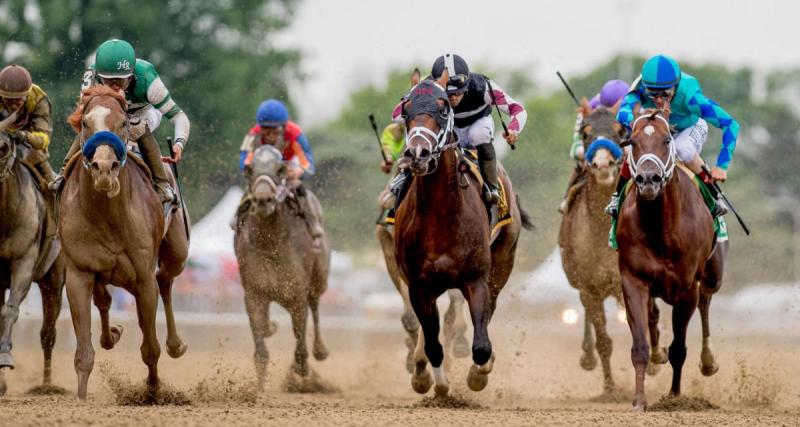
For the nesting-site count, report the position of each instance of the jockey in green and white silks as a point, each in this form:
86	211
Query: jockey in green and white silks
662	85
117	67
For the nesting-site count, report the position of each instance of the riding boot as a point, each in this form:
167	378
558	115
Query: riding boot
399	188
613	206
56	183
720	207
488	163
151	154
310	216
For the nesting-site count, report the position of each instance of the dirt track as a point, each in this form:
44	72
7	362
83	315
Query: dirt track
536	380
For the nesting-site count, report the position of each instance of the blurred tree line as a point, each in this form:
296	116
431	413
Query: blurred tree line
217	58
764	165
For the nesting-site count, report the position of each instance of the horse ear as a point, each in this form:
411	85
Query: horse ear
585	109
665	112
615	108
619	129
415	76
442	81
248	170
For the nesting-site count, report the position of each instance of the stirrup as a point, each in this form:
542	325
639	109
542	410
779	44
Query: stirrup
56	184
491	194
720	208
166	193
613	206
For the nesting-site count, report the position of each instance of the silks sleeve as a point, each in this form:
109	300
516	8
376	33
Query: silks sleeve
712	113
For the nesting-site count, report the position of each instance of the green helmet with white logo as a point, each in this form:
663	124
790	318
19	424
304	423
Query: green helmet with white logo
115	59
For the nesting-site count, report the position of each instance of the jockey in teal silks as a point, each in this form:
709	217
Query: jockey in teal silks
663	85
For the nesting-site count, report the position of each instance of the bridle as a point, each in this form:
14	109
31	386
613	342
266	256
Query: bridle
436	142
82	135
665	168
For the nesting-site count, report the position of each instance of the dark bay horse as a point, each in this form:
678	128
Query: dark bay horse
26	254
667	249
443	239
590	265
277	261
113	231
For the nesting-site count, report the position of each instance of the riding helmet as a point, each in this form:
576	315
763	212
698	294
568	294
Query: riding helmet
660	72
15	82
612	92
458	69
115	59
272	113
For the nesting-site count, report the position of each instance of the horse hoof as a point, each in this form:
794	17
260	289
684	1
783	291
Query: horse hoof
109	341
176	351
421	380
588	361
709	370
476	381
271	328
652	369
461	347
640	407
6	361
441	390
320	353
659	356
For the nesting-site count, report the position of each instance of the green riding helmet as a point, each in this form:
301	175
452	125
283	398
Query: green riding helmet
115	59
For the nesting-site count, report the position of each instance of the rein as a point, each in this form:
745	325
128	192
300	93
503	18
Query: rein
665	168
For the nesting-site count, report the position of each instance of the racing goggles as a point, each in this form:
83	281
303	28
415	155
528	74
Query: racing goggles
660	93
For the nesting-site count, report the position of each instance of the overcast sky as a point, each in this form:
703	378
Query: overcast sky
349	43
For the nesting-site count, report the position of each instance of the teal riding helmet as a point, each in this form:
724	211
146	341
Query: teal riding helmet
661	72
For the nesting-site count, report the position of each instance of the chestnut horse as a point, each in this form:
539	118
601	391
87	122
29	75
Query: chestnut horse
442	238
113	231
589	264
667	249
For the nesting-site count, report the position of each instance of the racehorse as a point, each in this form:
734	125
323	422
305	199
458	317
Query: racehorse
113	230
26	253
590	265
667	249
443	238
277	260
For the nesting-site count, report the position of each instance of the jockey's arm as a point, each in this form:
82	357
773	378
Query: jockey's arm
159	96
247	147
299	158
628	106
576	150
397	112
306	146
507	105
714	114
38	133
392	141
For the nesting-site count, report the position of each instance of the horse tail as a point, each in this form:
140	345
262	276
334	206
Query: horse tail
527	221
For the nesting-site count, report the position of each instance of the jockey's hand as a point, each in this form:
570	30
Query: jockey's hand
386	166
294	173
511	138
177	150
719	174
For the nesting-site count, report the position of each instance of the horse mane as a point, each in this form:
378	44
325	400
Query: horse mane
76	118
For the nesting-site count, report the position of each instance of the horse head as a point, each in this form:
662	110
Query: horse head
652	156
429	124
601	134
266	176
100	119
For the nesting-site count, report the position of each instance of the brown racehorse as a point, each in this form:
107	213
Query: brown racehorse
589	263
112	226
442	239
666	249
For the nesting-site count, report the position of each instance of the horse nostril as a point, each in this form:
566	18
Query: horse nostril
115	165
95	166
639	179
424	153
657	179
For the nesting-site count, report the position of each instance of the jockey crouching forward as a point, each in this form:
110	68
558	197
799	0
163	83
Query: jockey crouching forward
26	107
663	85
117	67
274	128
472	95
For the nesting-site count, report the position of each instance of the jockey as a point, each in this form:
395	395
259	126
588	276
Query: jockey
117	67
274	128
472	95
393	140
611	93
31	124
663	85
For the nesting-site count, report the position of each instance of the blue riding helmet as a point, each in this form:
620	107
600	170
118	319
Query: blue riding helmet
272	113
660	72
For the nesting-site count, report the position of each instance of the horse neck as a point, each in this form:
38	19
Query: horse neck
99	205
596	194
274	230
439	191
10	197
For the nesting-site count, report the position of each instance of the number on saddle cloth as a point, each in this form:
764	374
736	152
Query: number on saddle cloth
105	138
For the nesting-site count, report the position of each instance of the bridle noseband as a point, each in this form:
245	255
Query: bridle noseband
665	168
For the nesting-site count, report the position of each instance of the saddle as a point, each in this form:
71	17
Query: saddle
499	214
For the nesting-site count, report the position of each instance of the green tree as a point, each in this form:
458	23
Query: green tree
218	58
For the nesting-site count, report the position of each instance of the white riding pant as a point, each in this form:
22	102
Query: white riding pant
149	115
689	142
478	133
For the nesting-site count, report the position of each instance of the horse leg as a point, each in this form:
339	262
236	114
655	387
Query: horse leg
146	306
636	296
595	310
587	361
79	295
428	314
175	345
299	318
257	306
658	354
708	364
411	326
21	273
681	314
109	335
320	351
455	327
50	287
477	295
